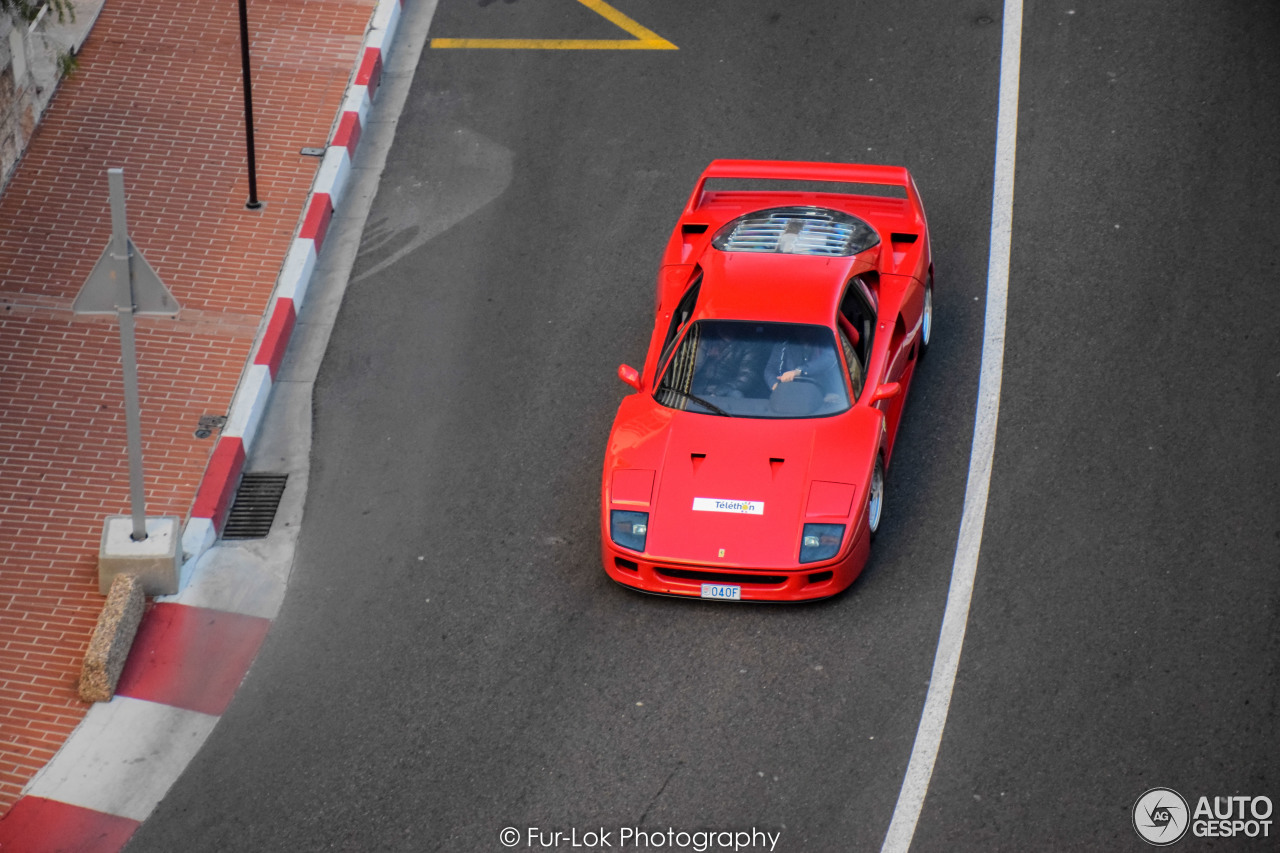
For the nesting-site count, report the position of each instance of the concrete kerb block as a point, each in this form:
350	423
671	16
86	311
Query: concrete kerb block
112	638
282	316
357	101
221	476
295	276
386	19
346	133
315	223
370	72
249	403
335	169
376	38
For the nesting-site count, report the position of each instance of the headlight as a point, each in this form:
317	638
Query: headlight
629	529
820	542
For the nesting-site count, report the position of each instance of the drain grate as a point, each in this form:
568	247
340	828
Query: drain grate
255	506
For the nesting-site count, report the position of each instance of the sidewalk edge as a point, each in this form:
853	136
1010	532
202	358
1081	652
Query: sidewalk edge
253	393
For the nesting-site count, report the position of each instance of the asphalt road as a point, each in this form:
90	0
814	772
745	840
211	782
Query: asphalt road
1124	627
451	659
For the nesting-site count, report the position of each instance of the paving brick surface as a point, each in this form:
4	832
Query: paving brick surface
157	93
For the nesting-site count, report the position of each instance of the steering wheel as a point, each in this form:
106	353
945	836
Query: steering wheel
787	399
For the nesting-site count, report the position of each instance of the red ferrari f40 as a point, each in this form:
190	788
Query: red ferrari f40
750	462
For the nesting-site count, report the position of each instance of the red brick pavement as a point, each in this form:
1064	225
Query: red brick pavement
157	93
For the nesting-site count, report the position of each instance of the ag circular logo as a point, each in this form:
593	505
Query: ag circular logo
1160	816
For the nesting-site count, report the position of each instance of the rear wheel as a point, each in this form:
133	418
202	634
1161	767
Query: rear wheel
875	498
926	319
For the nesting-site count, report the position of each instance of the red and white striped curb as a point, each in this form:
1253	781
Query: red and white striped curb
222	476
187	661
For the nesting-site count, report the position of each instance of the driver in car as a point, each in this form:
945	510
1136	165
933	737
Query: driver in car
800	359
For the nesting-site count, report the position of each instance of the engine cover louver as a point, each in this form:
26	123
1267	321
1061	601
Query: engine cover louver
797	231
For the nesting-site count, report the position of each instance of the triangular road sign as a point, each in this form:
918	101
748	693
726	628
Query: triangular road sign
644	39
102	291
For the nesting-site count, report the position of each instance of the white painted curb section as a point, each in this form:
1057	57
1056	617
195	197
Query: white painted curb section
334	171
124	757
386	19
299	264
358	102
249	405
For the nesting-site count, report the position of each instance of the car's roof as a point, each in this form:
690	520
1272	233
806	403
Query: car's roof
782	288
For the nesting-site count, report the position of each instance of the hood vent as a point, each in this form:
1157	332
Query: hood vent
797	231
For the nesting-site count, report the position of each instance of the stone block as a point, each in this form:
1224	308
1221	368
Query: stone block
112	637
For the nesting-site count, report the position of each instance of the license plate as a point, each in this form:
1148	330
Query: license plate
726	591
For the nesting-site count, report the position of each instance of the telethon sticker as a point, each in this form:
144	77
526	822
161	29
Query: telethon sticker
718	505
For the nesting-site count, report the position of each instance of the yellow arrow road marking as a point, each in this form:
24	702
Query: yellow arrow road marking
645	39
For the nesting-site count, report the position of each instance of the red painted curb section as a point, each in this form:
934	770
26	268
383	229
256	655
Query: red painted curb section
37	825
370	70
191	657
316	223
348	133
213	499
276	339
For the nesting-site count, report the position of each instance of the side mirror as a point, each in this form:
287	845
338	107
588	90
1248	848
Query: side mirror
629	375
886	391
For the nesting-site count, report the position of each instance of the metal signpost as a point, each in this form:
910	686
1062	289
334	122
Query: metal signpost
124	284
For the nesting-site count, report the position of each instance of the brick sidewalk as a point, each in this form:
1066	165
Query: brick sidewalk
157	93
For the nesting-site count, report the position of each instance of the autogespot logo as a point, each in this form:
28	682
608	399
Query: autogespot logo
1160	816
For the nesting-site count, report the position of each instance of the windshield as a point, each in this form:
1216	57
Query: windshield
755	370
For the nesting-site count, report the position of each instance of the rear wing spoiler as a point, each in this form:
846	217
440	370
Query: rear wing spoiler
782	170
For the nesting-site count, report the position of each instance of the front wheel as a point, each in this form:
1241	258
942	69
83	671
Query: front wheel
875	498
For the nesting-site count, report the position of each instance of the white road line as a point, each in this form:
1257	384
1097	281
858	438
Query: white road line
915	783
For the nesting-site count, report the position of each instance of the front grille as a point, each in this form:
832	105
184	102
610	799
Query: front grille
797	231
719	577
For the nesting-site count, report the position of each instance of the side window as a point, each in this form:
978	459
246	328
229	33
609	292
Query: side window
679	318
858	310
853	363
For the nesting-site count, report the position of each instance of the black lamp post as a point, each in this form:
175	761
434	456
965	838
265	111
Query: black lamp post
253	203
